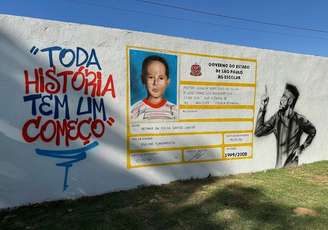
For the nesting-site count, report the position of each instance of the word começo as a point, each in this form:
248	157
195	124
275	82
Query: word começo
70	130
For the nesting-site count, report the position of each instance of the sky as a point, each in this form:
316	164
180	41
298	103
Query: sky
299	26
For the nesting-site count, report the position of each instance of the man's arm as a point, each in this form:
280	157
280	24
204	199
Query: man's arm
263	128
309	129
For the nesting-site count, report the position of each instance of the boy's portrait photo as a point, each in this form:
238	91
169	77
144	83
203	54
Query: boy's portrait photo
153	86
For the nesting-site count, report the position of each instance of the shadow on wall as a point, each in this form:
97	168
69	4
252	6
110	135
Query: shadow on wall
20	164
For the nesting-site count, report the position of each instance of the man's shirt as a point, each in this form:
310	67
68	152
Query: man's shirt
288	132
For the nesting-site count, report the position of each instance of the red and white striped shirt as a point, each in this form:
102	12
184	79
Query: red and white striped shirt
144	110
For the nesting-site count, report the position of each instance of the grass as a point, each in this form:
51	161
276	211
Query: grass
293	198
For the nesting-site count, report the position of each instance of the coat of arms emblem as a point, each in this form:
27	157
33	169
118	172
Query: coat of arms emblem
195	70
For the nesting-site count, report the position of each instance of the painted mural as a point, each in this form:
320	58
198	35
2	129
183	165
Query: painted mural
87	110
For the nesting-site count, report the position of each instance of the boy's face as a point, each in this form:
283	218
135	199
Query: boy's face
157	80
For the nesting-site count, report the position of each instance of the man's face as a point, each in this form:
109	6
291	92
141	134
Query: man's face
157	80
286	100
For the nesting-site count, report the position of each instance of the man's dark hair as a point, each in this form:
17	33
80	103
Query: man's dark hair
292	88
147	61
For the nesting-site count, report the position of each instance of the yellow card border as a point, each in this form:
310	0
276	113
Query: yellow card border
223	145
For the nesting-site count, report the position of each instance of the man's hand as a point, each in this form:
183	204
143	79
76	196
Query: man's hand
297	152
264	99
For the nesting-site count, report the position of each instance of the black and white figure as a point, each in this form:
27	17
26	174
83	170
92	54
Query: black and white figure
287	125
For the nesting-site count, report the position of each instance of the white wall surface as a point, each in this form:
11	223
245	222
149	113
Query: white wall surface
26	177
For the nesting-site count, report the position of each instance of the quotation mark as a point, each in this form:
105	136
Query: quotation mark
110	121
34	50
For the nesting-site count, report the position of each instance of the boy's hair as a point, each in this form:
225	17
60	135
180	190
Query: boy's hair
147	61
292	88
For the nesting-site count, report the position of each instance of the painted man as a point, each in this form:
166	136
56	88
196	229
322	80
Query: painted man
288	127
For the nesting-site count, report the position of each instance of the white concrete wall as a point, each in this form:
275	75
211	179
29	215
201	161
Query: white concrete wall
28	177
